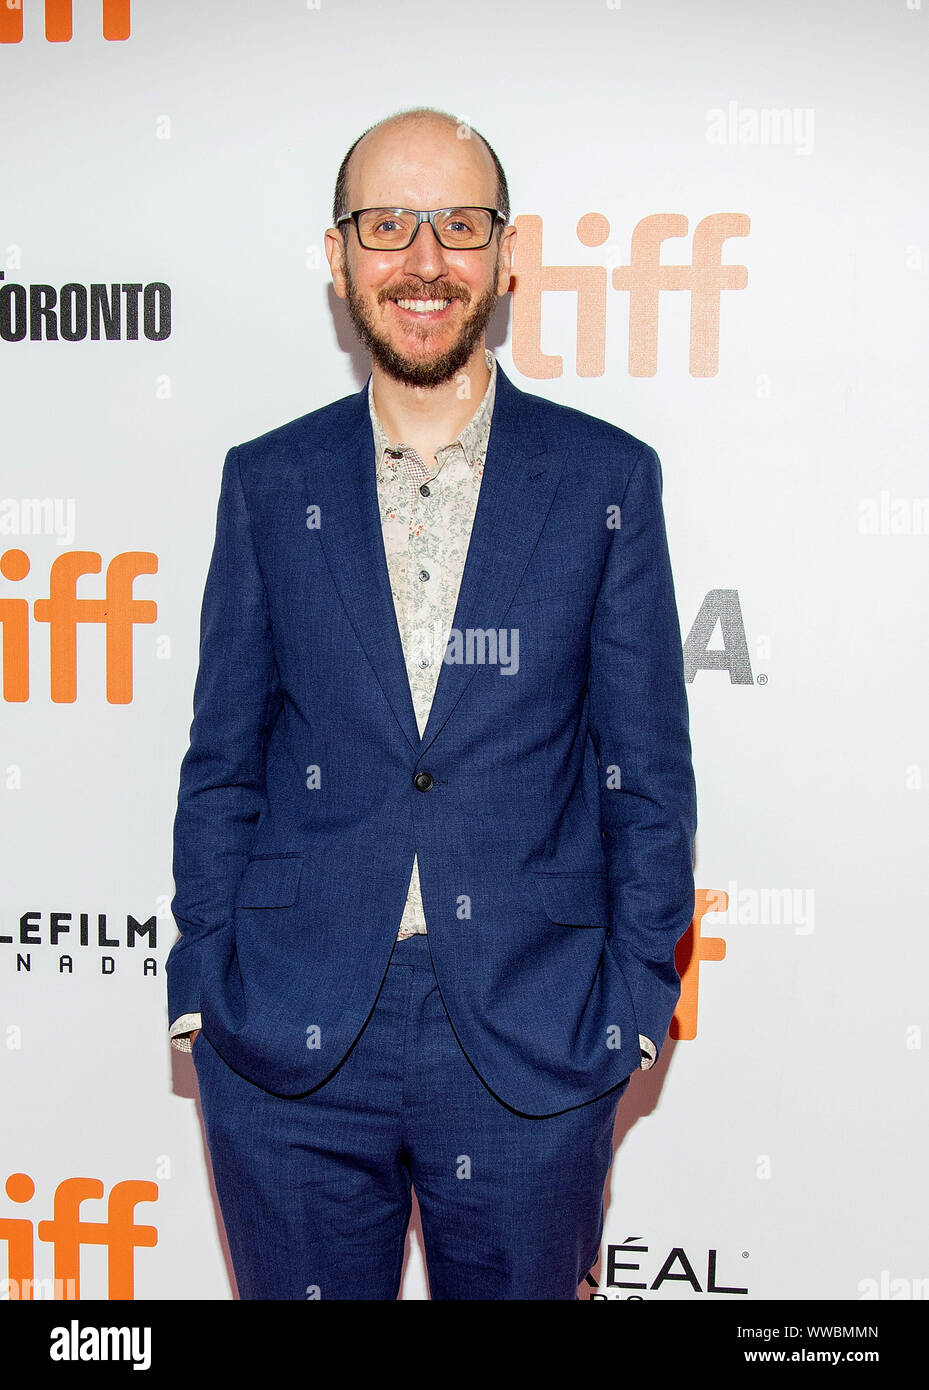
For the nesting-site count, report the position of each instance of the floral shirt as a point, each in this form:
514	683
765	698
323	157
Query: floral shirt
427	511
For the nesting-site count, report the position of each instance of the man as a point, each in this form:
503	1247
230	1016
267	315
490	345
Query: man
433	847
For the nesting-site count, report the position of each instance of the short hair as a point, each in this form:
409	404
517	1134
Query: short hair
339	208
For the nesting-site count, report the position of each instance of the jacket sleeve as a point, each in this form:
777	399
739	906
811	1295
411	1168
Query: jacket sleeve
639	724
222	784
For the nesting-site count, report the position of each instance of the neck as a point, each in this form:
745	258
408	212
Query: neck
429	417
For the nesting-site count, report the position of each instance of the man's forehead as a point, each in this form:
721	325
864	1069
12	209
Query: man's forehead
427	162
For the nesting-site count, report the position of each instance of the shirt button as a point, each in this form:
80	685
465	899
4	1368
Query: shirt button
424	575
423	781
425	490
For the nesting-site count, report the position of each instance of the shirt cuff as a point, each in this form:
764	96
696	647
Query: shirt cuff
649	1052
181	1026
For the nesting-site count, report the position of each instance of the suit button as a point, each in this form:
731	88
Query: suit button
423	781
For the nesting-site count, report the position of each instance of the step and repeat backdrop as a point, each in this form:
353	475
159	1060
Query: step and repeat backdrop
722	247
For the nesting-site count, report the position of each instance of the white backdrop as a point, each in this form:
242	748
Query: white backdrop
789	1135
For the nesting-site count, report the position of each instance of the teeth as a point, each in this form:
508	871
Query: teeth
424	306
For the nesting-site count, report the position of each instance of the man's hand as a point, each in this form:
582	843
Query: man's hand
193	1036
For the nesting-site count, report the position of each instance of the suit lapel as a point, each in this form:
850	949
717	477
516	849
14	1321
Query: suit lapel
519	482
344	485
517	488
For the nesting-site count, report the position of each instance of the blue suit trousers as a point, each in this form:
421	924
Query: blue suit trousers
315	1189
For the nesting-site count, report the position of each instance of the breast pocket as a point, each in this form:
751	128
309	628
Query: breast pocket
544	588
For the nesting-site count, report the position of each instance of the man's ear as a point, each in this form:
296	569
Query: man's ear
335	254
507	247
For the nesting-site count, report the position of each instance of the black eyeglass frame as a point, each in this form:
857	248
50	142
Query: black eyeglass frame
421	217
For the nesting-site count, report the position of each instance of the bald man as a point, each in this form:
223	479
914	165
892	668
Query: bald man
433	845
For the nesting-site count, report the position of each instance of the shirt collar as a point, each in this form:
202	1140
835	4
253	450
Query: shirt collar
473	437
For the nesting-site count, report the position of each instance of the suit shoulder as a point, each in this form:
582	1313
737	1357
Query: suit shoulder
596	439
567	420
278	445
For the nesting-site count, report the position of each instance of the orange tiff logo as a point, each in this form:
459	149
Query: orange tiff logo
66	1232
693	948
645	278
119	611
58	22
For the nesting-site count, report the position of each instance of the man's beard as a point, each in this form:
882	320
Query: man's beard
427	371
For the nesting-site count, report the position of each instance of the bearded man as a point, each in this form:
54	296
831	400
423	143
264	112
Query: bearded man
433	844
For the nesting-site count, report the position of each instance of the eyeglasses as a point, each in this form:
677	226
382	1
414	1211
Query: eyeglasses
393	229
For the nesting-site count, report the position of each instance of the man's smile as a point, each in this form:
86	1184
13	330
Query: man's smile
423	308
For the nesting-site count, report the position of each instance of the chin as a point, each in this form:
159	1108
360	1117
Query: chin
423	374
430	369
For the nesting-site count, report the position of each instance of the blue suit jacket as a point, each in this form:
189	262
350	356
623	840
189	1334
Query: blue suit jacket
555	830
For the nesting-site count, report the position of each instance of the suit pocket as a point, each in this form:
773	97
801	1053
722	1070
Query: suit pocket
574	900
270	881
540	588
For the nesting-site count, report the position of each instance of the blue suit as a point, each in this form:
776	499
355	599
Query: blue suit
550	802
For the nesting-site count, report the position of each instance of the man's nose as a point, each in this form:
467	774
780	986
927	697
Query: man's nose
425	255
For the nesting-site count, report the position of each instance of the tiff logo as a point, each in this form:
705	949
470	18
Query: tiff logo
118	611
645	278
66	1232
691	950
58	21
